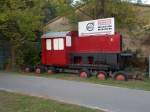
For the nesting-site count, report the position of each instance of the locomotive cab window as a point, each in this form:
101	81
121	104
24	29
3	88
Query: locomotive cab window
68	41
48	44
58	44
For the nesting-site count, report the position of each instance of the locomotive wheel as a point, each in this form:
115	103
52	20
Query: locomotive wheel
120	76
101	75
84	74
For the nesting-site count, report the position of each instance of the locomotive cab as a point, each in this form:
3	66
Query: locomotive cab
55	46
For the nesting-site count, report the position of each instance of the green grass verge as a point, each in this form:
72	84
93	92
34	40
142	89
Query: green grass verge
133	84
12	102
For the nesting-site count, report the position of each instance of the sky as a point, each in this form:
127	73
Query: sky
144	1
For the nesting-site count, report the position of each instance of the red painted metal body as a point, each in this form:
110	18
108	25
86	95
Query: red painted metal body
97	44
90	44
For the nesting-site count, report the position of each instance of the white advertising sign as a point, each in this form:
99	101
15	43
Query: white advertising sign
97	27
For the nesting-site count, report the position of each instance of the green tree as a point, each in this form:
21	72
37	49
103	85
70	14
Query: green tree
123	11
64	8
18	20
49	11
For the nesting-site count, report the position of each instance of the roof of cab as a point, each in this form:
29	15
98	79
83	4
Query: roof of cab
55	34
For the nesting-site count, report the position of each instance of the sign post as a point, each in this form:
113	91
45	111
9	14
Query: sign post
97	27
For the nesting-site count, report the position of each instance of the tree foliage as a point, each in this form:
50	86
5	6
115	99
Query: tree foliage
64	8
18	21
123	11
20	18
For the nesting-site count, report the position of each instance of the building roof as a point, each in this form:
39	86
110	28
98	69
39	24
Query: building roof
59	24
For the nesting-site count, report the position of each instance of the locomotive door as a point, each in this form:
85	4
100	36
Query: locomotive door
48	51
56	55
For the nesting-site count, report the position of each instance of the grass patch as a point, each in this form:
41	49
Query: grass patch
12	102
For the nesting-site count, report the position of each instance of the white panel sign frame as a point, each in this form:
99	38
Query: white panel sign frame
97	27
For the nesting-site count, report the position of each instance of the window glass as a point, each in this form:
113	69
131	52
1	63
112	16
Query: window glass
68	41
59	44
56	44
48	44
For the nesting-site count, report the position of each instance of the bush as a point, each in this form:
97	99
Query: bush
28	54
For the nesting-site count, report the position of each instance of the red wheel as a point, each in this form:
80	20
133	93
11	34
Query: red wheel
38	70
101	75
83	74
120	77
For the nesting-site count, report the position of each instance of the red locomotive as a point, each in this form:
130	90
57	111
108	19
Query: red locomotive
100	55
